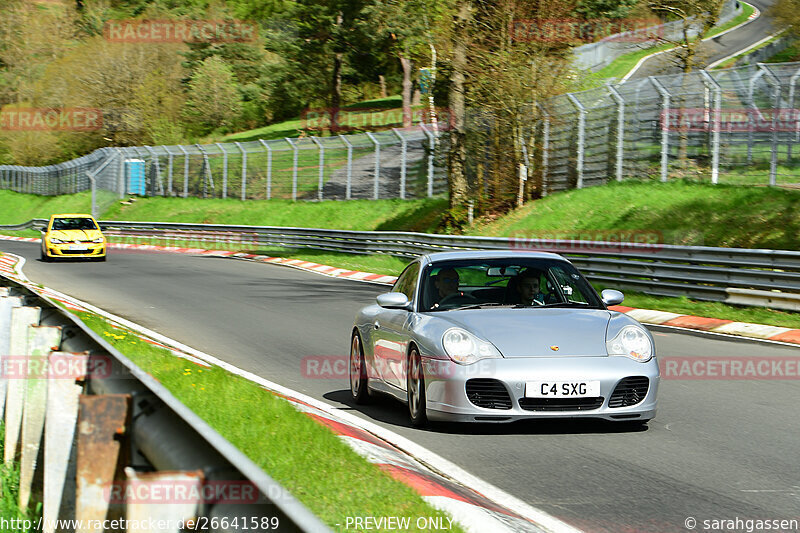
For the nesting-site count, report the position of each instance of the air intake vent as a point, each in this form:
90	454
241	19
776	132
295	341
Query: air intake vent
629	391
488	393
561	404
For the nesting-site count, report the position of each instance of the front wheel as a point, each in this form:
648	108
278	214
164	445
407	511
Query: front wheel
415	387
358	372
43	256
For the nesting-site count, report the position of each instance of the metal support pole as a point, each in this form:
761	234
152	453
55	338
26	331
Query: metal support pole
207	172
403	156
185	171
432	148
170	156
244	170
294	168
321	166
269	167
716	115
545	147
349	165
665	118
776	104
795	117
750	121
620	128
158	171
377	165
581	138
224	170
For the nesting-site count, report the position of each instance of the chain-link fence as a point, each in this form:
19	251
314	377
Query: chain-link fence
398	163
736	126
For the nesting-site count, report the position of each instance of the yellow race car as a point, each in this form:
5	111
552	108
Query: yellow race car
73	235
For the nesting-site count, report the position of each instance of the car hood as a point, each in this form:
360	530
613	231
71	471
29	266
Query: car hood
532	332
75	234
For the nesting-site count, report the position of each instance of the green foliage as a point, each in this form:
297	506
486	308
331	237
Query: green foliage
213	101
605	9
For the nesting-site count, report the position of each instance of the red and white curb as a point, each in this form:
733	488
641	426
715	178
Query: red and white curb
475	505
645	316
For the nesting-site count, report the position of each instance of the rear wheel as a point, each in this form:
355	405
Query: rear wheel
415	387
358	371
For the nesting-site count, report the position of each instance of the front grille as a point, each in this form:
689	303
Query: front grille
561	404
488	393
629	391
77	252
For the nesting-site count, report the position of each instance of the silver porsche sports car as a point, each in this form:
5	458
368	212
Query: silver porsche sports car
501	336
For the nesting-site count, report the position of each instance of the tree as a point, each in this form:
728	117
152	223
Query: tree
213	100
696	16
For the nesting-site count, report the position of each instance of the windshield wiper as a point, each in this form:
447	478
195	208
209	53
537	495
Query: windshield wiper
479	306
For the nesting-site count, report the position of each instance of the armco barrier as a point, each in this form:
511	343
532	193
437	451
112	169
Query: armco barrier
769	278
118	415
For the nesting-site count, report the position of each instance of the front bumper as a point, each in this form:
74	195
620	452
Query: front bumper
447	398
89	250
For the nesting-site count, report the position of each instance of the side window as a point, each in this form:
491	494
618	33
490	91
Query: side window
407	282
569	285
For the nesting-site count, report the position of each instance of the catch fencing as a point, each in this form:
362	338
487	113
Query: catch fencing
736	126
397	163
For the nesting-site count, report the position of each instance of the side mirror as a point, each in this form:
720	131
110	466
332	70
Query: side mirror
612	297
394	300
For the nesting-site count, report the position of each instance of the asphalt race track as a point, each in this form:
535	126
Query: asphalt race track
718	449
718	47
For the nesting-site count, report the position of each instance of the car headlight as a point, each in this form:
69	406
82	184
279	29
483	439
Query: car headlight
56	241
100	239
633	342
465	348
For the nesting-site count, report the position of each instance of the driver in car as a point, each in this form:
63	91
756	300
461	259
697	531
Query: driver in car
446	283
528	288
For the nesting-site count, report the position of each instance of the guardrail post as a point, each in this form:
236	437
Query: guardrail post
377	165
620	128
244	170
776	104
321	166
665	118
716	115
267	147
294	168
349	166
41	340
185	171
102	419
432	149
581	138
403	157
224	170
795	115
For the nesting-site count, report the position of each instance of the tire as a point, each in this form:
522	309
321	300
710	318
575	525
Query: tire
43	256
415	389
358	372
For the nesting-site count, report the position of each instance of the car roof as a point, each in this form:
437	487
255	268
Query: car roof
490	254
72	215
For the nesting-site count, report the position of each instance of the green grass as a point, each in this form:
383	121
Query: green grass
732	61
789	54
304	456
9	493
623	64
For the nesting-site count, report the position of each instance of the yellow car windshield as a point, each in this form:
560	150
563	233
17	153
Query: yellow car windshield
61	224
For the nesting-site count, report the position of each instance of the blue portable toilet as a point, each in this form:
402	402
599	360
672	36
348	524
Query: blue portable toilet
134	176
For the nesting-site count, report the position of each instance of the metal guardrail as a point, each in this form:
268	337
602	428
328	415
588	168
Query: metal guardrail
126	417
769	278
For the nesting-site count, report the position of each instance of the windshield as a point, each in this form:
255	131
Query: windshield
508	282
81	223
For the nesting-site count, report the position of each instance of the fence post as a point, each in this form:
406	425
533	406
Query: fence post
664	126
158	170
269	167
751	102
349	165
185	171
377	164
244	170
206	173
121	173
716	115
224	170
403	155
776	103
795	118
620	128
294	168
432	148
321	166
170	156
545	147
581	138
